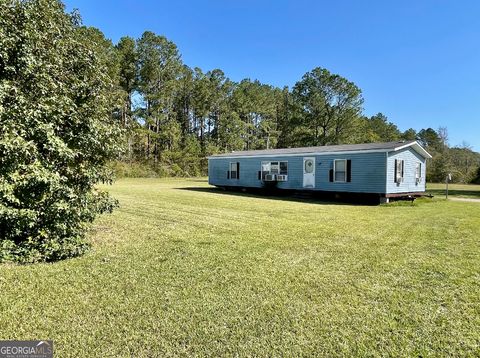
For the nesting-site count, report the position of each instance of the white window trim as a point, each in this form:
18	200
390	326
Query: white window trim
418	171
261	168
399	174
278	166
335	171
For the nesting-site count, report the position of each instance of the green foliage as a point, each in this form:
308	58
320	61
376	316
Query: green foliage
127	79
430	140
56	131
464	164
409	134
459	161
329	106
476	179
176	116
378	129
254	104
159	69
127	57
135	169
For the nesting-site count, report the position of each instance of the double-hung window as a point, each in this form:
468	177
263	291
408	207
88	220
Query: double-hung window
399	170
274	167
265	169
234	172
418	171
340	170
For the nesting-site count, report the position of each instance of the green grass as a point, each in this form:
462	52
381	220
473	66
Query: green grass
182	270
471	191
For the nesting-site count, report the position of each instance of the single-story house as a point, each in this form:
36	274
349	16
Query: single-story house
383	170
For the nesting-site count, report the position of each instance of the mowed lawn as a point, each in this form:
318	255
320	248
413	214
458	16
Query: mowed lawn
470	191
182	269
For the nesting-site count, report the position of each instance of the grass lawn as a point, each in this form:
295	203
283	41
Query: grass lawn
184	270
456	190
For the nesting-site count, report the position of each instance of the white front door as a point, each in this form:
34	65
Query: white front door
309	172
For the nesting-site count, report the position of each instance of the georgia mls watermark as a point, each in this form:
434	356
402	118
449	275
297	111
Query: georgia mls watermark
26	349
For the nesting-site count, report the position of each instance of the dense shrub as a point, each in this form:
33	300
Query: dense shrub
56	132
133	170
476	179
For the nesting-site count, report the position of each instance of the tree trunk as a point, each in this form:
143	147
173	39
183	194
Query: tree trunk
202	124
155	151
147	154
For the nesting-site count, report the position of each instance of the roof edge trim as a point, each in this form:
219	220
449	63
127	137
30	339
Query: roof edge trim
302	154
417	147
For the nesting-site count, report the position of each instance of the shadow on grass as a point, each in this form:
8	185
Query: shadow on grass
293	196
455	192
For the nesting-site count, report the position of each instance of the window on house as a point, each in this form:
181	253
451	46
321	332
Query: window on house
418	171
274	168
235	170
265	169
340	170
399	166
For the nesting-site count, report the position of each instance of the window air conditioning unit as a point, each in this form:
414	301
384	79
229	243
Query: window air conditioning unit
270	177
282	177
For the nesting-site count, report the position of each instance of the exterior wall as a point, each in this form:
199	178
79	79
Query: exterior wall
368	172
408	185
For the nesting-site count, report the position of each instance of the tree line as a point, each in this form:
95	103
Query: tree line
174	115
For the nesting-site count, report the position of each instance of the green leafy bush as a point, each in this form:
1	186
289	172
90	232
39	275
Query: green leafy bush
56	132
133	170
476	180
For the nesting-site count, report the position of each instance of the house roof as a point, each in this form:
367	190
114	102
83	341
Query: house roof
330	149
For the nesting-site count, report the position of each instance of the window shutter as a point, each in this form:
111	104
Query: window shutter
259	175
349	170
395	171
403	167
228	174
238	170
331	175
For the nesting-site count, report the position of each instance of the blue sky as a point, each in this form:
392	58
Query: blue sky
418	62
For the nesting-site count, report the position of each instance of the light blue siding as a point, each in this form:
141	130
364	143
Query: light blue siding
368	172
249	168
409	184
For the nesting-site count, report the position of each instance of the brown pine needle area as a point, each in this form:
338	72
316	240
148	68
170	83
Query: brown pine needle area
183	269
